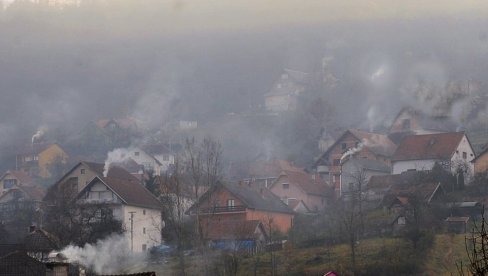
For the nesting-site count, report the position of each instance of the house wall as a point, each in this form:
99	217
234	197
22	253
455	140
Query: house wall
146	227
398	124
145	160
419	165
166	160
82	178
46	157
315	202
278	221
2	182
349	175
293	190
458	160
481	164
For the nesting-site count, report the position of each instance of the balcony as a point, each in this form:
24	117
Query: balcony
224	209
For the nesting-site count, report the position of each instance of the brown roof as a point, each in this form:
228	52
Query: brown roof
428	146
41	241
379	144
23	177
271	168
33	192
232	230
129	190
307	183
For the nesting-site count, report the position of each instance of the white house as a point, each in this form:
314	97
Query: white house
147	160
421	152
132	204
355	171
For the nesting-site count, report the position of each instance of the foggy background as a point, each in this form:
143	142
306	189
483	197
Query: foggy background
210	61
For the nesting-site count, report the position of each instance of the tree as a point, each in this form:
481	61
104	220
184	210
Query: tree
476	245
79	224
175	203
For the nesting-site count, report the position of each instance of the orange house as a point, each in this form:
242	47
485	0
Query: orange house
239	202
37	159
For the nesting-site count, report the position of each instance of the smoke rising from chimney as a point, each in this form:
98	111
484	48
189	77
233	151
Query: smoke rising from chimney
41	131
108	256
116	156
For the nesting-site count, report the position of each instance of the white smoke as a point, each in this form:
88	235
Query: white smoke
39	134
108	256
352	151
117	156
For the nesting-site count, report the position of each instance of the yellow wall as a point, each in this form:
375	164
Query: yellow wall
47	156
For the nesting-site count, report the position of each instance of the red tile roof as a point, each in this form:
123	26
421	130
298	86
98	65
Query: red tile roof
428	146
307	183
129	191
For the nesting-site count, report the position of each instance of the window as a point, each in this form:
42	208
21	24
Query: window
465	155
344	146
144	247
9	183
286	186
144	212
143	230
36	157
136	153
336	162
230	203
82	171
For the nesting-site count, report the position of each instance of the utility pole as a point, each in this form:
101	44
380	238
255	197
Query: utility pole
132	230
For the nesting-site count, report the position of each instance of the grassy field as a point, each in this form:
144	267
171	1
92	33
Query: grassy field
378	256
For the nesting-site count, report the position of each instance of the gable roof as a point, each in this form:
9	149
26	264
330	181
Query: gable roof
124	123
306	183
41	241
377	143
262	200
427	122
37	148
428	146
31	192
21	176
129	191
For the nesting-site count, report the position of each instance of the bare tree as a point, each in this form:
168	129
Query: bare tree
477	249
175	203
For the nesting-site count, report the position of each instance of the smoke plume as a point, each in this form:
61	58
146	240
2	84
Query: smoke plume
116	156
39	134
111	255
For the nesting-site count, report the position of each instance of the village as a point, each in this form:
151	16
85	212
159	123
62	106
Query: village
181	198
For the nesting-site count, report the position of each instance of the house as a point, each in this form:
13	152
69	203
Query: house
397	187
146	160
292	186
38	159
15	179
357	144
356	172
131	203
453	151
457	225
285	91
164	153
261	173
80	175
480	162
410	121
245	235
239	202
